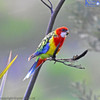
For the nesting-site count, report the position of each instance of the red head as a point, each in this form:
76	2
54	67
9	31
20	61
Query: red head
62	31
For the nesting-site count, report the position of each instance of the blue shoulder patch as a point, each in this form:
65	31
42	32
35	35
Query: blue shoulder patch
44	50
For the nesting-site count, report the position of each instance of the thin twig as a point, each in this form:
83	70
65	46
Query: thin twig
77	57
50	7
70	65
74	58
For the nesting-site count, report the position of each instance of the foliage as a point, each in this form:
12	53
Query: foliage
83	93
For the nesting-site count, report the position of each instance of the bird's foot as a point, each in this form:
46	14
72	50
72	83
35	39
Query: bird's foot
54	58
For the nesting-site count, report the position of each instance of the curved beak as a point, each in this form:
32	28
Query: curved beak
67	32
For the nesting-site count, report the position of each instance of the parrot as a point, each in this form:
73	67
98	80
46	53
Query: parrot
47	48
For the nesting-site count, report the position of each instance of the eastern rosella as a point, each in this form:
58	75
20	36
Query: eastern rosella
47	48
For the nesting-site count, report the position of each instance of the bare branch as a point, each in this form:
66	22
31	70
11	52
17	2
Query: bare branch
63	62
70	60
53	16
50	7
31	84
80	56
74	58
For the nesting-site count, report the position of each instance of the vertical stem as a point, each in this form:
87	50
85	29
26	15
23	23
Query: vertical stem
53	16
4	77
31	84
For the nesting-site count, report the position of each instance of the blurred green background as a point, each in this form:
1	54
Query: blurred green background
22	26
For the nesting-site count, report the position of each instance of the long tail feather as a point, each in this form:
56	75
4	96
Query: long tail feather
30	71
35	66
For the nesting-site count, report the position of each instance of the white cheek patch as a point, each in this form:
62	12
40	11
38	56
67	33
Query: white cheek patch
63	34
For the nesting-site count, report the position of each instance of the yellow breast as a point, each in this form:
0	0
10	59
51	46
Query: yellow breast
52	47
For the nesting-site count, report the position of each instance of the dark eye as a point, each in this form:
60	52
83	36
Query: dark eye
55	35
64	30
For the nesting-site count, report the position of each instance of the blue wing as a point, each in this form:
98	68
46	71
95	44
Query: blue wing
43	50
40	51
43	47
